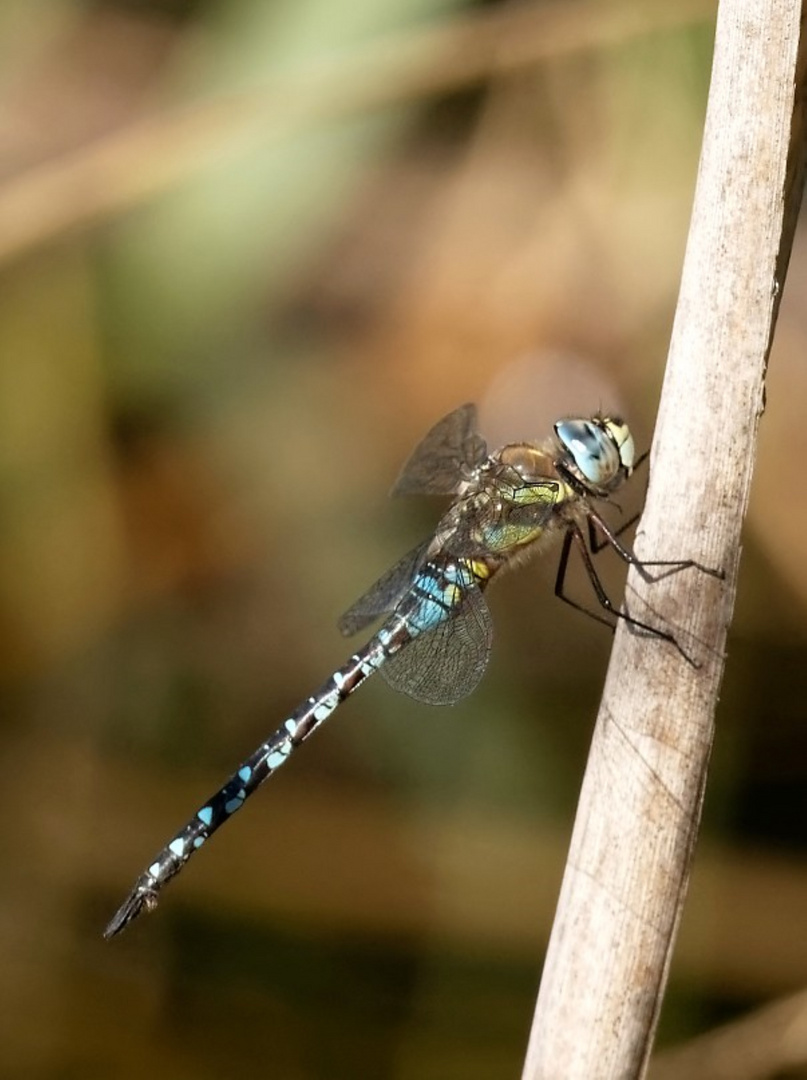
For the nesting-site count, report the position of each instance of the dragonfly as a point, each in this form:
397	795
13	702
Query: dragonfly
435	640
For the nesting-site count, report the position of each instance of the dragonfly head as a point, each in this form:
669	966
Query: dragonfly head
599	452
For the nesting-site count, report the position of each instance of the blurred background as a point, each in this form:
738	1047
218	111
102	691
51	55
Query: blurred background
249	253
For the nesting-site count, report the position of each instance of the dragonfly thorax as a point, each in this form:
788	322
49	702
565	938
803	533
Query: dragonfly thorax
532	463
598	452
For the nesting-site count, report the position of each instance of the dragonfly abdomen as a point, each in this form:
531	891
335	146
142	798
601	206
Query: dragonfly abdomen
257	768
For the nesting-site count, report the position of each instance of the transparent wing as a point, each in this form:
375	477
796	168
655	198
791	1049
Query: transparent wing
444	457
443	665
486	524
385	594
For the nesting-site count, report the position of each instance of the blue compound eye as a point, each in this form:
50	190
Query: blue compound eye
599	450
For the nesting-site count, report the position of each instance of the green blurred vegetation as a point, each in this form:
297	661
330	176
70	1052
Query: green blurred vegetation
249	252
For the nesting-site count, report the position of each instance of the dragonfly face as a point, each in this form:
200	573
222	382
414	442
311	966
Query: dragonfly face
599	452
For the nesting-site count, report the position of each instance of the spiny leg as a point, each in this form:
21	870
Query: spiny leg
574	534
599	543
560	581
672	566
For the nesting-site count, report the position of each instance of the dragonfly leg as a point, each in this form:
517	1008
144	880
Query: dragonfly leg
560	581
611	539
598	543
574	535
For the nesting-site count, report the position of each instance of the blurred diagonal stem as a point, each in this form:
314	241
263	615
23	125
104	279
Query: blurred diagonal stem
640	806
157	154
766	1043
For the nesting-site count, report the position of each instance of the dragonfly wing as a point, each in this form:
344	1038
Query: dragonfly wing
444	457
385	594
443	665
488	525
